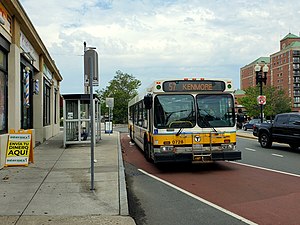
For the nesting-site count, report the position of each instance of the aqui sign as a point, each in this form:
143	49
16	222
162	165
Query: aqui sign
19	148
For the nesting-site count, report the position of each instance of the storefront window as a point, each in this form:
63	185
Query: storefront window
55	107
3	92
3	102
47	103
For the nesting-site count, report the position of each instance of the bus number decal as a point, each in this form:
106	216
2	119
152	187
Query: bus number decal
177	142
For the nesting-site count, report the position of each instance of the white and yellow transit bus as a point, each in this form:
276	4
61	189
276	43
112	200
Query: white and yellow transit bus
185	120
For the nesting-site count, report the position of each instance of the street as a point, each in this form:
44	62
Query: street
262	188
280	157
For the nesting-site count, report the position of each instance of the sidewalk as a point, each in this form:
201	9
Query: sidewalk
246	134
55	189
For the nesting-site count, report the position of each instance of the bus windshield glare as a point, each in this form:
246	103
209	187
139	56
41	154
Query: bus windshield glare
174	111
215	110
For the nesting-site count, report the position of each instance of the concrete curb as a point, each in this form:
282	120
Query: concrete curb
123	208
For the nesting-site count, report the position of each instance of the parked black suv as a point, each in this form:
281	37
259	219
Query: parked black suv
284	129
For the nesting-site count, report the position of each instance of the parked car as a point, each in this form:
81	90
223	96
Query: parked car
284	129
250	124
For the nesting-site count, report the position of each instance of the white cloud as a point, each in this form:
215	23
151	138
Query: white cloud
161	38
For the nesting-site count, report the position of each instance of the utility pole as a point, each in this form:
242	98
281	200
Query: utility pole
91	78
261	77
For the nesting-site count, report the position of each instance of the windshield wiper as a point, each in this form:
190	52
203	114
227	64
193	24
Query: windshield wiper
180	131
205	120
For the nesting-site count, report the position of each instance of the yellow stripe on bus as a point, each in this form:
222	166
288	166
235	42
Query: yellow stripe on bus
189	139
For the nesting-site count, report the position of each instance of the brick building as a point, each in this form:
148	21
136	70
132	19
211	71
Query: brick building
284	70
247	73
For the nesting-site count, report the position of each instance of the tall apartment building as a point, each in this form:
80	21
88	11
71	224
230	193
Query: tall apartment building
284	70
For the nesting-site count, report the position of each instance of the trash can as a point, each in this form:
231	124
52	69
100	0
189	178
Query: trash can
108	127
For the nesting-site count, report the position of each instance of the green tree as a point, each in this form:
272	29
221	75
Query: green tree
277	101
123	87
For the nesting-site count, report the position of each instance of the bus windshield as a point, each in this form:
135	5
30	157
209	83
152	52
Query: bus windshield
174	111
215	110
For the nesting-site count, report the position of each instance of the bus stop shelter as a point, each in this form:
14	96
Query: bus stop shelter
77	122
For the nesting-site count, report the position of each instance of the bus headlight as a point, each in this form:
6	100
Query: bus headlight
166	148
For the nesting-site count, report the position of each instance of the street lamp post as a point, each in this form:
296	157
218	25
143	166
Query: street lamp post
261	77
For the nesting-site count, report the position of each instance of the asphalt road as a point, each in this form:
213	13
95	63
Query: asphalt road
153	202
280	157
235	194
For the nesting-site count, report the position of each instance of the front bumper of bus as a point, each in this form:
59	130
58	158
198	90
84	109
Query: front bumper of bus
189	157
186	154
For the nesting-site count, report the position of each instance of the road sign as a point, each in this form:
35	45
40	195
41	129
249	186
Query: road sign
109	102
91	67
261	99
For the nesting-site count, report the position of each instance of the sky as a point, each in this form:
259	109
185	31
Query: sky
160	39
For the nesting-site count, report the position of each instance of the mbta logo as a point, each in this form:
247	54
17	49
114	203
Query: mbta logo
197	138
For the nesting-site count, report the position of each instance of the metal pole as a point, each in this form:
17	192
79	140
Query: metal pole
92	122
261	105
109	120
85	87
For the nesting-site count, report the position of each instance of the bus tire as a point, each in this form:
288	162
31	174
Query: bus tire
147	151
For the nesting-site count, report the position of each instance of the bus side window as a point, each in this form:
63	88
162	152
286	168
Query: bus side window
131	113
135	115
140	122
145	118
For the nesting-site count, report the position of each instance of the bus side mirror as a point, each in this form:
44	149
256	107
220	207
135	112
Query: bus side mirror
148	101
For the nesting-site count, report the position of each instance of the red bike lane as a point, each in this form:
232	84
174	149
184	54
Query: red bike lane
262	196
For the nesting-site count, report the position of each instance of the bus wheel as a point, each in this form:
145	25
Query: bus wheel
147	152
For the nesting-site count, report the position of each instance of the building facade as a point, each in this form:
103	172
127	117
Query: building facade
248	75
284	70
29	79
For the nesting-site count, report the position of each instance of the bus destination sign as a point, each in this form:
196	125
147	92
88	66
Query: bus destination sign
193	85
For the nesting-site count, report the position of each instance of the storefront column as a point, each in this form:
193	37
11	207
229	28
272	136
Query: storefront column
38	105
14	92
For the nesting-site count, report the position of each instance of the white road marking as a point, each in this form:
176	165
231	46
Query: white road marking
262	168
250	149
200	199
277	155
